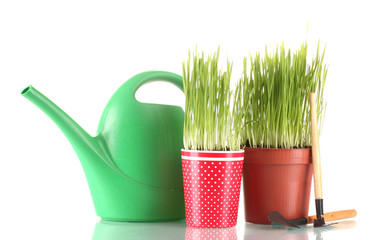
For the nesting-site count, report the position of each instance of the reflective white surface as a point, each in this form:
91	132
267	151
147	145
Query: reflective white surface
178	230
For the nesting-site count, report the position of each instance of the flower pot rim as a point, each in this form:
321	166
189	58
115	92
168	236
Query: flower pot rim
210	151
276	149
278	156
212	155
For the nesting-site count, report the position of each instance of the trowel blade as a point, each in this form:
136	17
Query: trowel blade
276	217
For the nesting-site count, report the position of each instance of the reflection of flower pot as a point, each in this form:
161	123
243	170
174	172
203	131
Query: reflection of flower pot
276	232
276	180
210	233
212	187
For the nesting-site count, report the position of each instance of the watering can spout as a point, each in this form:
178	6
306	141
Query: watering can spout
81	141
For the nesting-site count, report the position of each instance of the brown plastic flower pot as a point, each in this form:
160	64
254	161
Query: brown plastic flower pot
276	180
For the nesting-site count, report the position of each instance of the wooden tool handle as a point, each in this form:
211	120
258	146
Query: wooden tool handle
315	148
333	216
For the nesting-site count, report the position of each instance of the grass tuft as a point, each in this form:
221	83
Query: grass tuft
208	119
271	105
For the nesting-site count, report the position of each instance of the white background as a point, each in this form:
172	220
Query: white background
79	52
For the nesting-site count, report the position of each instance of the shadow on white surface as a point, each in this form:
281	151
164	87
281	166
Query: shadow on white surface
278	232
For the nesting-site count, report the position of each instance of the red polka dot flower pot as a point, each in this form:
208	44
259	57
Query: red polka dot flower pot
212	187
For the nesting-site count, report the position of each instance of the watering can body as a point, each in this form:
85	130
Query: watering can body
133	165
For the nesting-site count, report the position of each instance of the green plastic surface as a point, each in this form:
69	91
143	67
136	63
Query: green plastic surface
133	165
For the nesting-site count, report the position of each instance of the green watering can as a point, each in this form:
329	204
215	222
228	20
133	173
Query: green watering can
133	165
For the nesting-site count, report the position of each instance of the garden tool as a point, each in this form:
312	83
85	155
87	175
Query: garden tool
319	221
276	217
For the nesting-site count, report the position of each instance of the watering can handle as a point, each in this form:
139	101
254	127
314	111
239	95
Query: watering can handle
151	76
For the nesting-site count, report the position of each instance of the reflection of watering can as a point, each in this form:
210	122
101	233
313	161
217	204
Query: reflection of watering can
106	230
133	165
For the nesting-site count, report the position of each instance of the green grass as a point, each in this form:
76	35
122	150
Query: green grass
208	119
271	108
